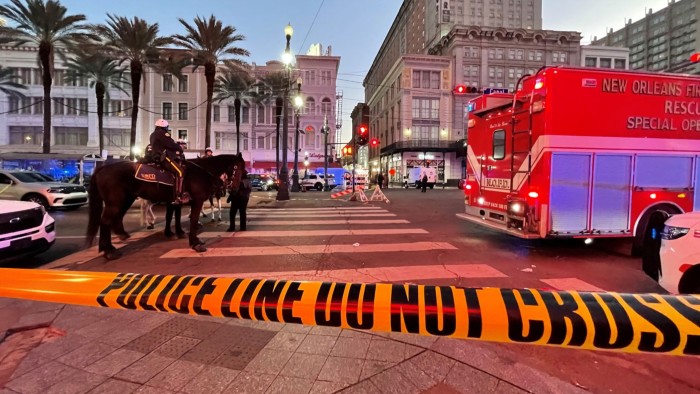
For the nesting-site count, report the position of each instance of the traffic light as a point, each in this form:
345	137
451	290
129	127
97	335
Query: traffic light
362	135
460	89
374	142
695	57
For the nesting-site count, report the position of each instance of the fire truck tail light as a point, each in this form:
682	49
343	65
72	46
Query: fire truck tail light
539	83
471	123
538	106
533	194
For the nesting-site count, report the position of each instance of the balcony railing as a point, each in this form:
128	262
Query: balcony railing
428	145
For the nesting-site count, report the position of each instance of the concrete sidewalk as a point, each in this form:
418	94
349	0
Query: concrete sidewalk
58	348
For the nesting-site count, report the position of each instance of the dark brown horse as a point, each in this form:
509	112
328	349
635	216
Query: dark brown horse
115	187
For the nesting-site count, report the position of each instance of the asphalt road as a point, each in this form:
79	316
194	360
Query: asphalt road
416	239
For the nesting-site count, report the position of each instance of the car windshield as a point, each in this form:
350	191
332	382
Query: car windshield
31	177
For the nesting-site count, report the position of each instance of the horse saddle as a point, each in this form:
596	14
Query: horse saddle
151	173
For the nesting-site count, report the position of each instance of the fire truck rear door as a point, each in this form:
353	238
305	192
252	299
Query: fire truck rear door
612	178
570	184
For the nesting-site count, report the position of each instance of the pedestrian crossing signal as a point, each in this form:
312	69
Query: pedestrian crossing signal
347	151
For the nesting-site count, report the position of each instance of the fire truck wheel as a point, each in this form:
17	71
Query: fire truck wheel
647	242
690	282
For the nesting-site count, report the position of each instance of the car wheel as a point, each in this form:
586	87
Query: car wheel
690	282
319	186
37	198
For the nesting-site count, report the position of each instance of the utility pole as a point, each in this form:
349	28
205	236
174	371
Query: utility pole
326	187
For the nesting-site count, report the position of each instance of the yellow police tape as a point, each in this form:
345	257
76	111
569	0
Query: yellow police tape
605	321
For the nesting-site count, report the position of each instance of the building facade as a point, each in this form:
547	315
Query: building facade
414	112
180	100
605	57
662	40
442	15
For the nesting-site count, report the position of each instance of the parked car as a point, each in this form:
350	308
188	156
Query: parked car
679	254
32	186
313	181
263	182
25	229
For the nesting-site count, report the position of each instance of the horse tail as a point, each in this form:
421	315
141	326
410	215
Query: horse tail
95	215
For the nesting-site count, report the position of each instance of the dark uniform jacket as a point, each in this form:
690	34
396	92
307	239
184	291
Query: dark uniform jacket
162	141
243	191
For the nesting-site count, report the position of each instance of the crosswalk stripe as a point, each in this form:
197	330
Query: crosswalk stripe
313	233
310	249
306	215
322	222
571	284
318	209
269	212
381	274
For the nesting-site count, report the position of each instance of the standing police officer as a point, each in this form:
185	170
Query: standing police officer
163	144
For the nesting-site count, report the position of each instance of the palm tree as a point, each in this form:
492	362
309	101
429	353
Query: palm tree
9	84
102	73
46	25
233	84
272	86
210	42
134	41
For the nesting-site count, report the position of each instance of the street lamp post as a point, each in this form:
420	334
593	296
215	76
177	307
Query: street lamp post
283	191
326	186
298	102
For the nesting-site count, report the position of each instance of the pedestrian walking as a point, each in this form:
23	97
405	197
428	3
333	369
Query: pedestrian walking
239	202
424	183
380	180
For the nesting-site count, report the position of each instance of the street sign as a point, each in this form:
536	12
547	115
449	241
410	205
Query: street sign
495	90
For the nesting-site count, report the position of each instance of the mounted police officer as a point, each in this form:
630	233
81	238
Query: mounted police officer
208	152
171	153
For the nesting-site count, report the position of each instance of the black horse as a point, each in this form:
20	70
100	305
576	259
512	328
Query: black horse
116	187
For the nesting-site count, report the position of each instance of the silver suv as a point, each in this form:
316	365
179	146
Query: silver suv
313	181
41	189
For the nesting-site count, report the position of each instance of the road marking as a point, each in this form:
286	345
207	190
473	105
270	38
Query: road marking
306	215
313	233
269	212
571	284
310	249
380	274
316	209
325	222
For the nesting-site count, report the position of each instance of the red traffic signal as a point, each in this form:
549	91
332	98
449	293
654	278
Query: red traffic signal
460	89
362	135
695	57
374	142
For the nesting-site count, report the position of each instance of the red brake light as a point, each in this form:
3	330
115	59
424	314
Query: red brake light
684	267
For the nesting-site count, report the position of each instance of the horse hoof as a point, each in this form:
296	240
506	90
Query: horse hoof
199	248
113	255
219	219
124	237
149	227
181	235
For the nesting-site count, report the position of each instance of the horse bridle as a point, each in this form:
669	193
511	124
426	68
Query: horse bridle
235	169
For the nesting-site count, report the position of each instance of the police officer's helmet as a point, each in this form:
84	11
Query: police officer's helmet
163	124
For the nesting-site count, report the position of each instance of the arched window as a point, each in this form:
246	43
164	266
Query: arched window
326	106
310	106
309	137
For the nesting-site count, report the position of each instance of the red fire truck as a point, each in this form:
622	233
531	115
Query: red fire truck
584	153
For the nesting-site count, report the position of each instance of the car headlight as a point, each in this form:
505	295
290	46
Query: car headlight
56	190
671	232
269	182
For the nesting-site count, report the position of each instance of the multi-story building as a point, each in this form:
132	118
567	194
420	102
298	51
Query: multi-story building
662	40
442	15
181	101
605	57
409	87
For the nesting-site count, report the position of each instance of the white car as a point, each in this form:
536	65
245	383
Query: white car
25	229
680	254
313	181
33	186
